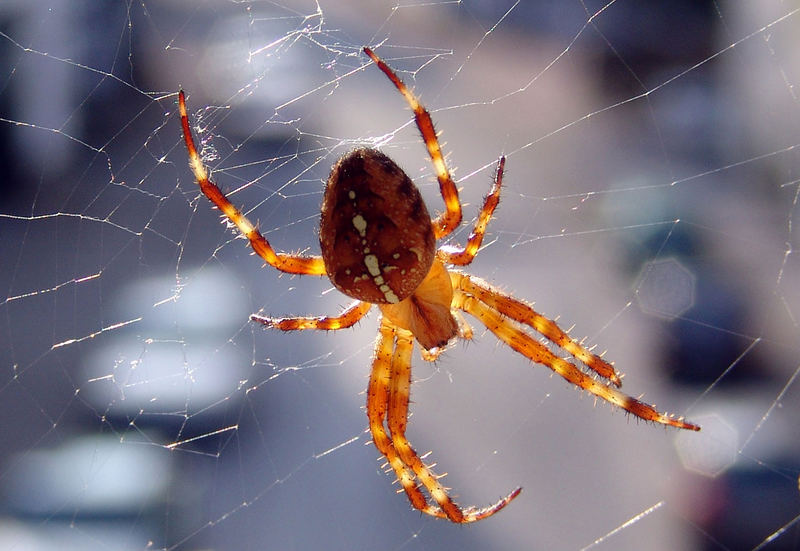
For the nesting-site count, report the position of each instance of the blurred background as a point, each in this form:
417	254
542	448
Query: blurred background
650	200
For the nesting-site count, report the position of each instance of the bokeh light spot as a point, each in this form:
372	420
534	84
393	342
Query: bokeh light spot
710	451
666	288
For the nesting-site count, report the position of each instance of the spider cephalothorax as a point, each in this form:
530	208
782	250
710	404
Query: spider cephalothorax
378	246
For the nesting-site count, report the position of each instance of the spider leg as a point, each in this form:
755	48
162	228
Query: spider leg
349	317
515	337
397	417
447	221
463	256
523	313
377	405
293	264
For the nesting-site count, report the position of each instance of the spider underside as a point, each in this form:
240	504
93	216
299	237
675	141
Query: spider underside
378	245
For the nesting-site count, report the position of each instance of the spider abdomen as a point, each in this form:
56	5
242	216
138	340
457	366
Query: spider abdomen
375	232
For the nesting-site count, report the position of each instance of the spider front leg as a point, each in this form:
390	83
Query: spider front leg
397	417
396	413
349	317
293	264
514	336
377	407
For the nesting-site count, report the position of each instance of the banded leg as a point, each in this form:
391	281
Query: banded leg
290	263
463	256
397	416
523	313
377	406
449	220
349	317
515	337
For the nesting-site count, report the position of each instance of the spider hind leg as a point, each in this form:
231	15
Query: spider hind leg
461	256
289	263
449	220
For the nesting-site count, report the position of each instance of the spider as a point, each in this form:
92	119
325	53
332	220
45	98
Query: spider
378	246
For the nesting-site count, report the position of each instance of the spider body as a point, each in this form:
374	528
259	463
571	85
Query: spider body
375	231
378	246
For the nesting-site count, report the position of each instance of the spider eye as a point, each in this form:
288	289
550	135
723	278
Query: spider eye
375	231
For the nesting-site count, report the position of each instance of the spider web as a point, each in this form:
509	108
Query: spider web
651	199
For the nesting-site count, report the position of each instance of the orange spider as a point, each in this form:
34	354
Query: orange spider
379	247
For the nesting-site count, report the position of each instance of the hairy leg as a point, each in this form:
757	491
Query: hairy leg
377	406
523	313
349	317
515	337
446	222
293	264
463	256
397	416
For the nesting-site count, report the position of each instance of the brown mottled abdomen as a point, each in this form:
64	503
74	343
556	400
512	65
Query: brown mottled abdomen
375	232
